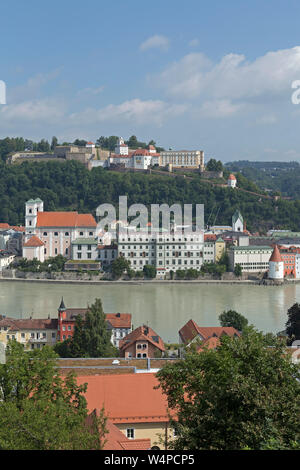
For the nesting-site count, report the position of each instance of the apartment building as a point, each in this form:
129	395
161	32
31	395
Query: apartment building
166	251
182	158
32	333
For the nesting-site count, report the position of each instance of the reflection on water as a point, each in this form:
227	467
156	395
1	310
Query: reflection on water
165	307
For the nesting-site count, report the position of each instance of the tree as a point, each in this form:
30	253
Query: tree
234	319
39	410
214	165
54	143
119	266
243	395
293	323
149	271
91	338
237	270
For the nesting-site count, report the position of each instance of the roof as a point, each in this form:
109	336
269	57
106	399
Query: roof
119	320
191	330
276	257
29	323
237	215
141	152
116	440
231	177
210	238
34	241
65	219
251	247
4	226
116	320
144	333
127	398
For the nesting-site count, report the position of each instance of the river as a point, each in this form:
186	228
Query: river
166	308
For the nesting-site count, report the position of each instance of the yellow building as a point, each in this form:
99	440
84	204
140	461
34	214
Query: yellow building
33	333
132	404
219	248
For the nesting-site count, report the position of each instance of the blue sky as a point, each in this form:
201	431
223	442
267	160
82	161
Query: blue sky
202	75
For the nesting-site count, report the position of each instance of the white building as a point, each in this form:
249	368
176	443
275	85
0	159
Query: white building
182	158
166	251
121	148
55	230
237	222
231	182
5	260
252	259
276	265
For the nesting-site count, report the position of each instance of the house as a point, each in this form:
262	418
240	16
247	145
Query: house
132	403
143	342
6	259
120	324
231	182
32	333
206	336
116	440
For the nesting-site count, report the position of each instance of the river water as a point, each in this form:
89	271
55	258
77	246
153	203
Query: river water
166	308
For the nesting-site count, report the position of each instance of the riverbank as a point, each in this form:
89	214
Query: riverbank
135	282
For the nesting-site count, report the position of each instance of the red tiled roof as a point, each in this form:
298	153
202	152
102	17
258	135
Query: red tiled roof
144	333
34	241
190	330
209	237
119	320
209	343
17	228
276	255
65	219
3	225
127	398
141	152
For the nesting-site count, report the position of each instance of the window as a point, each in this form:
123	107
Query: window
56	234
55	251
45	234
130	433
66	234
79	247
81	234
89	255
69	327
79	255
90	234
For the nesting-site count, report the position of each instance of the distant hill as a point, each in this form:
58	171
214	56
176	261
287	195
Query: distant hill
70	186
283	177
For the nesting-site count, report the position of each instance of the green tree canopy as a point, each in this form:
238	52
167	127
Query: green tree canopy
91	338
243	395
234	319
293	323
39	410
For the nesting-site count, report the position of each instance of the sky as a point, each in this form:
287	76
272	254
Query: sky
215	76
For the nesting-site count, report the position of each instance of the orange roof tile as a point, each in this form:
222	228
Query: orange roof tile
127	398
3	225
34	241
65	219
119	320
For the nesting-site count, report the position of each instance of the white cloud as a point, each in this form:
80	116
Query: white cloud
233	77
157	41
136	111
45	110
91	91
218	109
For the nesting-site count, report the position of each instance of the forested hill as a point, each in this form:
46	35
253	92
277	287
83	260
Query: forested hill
283	177
70	186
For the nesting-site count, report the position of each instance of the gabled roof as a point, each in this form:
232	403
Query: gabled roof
34	241
142	333
127	398
191	330
119	320
65	219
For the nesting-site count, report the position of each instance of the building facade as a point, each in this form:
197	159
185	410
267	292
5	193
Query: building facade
182	158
